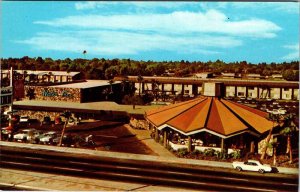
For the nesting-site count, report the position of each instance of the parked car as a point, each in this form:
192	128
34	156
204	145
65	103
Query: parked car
24	119
46	120
35	138
48	137
273	111
251	165
24	135
6	132
281	111
67	140
15	118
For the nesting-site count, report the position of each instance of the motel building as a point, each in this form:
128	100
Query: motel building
255	88
94	99
209	122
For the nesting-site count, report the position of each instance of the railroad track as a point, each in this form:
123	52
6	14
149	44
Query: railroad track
136	171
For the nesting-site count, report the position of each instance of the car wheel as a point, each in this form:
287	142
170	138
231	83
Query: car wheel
239	168
261	171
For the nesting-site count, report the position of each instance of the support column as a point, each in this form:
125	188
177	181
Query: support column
222	144
143	87
189	144
182	89
257	93
156	135
246	91
235	91
252	147
280	94
269	93
195	89
165	138
172	89
162	87
293	93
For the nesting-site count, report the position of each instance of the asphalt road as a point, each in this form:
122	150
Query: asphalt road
136	171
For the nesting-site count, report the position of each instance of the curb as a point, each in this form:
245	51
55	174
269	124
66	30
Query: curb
284	170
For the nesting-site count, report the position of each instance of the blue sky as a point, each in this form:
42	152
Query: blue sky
194	31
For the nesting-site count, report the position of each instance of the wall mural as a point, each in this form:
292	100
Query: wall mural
52	93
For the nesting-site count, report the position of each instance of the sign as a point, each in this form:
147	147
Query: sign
54	93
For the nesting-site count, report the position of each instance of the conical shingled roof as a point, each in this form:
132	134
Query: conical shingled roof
220	116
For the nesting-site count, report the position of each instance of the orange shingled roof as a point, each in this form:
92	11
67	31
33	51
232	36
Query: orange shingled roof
192	119
163	114
220	116
258	122
223	121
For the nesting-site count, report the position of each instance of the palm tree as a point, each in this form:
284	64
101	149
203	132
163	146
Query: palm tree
274	118
140	79
288	131
67	115
84	53
111	81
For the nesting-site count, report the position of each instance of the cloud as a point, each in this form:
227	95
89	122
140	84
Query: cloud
286	7
178	22
294	54
115	43
136	4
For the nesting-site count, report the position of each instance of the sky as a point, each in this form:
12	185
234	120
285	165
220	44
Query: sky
156	30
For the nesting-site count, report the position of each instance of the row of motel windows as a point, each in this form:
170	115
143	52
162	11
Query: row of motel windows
242	94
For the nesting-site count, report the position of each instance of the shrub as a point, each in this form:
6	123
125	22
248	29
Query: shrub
169	148
236	154
182	152
221	154
209	152
196	152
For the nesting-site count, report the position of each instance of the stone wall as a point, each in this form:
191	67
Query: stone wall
39	115
52	94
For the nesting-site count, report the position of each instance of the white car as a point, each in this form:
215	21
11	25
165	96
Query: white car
251	165
24	135
48	137
24	119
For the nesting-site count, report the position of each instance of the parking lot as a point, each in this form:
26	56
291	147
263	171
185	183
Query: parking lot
270	105
106	136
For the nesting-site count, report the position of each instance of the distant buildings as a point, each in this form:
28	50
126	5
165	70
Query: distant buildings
45	76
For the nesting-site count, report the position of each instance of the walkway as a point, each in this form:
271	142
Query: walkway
10	179
144	136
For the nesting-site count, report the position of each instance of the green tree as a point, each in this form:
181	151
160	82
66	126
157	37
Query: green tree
290	75
288	131
275	119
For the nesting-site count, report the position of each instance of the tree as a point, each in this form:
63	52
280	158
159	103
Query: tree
288	131
274	118
67	116
289	75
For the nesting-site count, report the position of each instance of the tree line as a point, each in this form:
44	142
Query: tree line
108	68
